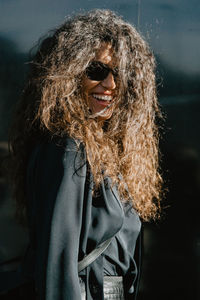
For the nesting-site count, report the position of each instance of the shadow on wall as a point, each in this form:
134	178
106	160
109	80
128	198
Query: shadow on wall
12	75
13	237
172	261
175	83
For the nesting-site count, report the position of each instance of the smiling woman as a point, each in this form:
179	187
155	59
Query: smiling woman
84	150
99	84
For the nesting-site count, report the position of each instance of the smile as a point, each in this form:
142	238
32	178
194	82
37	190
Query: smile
102	97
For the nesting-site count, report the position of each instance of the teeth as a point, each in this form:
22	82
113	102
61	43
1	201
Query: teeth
103	97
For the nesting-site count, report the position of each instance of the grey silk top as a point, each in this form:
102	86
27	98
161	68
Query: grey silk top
67	222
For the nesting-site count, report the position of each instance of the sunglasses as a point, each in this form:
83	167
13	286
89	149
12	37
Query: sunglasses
98	71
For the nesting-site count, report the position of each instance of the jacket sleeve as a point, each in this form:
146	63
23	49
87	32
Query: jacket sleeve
138	258
56	183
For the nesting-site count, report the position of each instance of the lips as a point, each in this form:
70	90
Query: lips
102	97
103	100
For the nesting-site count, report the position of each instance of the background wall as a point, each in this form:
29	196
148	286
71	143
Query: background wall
171	268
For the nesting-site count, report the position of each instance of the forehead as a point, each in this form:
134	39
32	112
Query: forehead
105	54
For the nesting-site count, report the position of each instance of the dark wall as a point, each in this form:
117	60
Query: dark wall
171	268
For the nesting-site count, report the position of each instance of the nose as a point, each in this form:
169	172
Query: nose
109	82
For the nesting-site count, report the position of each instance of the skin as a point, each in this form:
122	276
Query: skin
101	88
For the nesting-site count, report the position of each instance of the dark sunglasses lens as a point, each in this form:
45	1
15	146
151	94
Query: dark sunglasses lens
97	71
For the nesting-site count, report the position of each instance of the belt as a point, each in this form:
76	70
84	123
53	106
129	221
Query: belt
92	256
112	288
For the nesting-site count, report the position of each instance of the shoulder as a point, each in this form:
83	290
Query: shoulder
58	152
58	144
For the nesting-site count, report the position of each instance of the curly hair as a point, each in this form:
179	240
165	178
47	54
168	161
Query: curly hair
126	146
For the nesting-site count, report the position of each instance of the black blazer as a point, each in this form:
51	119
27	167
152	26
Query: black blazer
67	222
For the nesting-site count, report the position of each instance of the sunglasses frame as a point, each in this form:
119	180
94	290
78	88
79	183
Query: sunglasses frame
98	71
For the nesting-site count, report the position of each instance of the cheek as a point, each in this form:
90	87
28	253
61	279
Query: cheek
87	85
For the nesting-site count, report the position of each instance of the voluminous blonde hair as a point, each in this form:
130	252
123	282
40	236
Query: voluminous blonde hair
125	147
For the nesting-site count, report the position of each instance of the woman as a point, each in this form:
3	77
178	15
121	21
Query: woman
85	150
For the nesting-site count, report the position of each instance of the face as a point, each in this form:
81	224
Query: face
100	95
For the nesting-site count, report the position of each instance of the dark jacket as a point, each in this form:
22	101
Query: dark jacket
67	222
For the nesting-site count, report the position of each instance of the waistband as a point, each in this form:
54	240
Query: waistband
112	288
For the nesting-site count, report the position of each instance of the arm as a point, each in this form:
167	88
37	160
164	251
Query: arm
57	193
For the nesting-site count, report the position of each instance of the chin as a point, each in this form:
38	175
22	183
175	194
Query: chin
105	117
